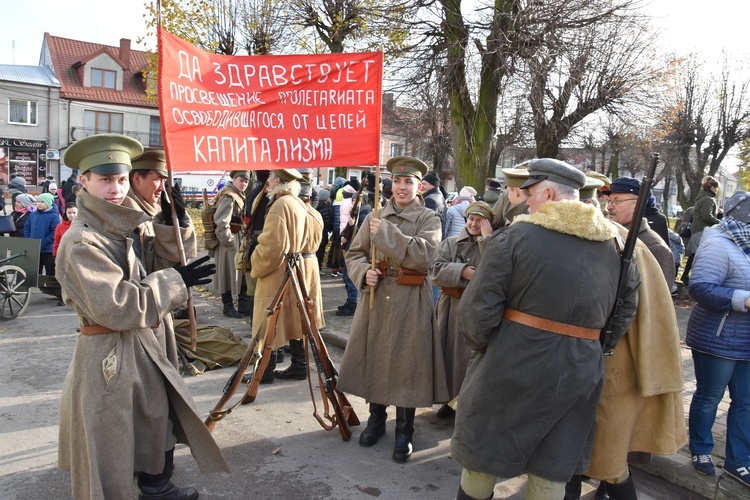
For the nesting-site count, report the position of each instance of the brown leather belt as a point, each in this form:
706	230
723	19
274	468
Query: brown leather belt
453	291
551	326
99	329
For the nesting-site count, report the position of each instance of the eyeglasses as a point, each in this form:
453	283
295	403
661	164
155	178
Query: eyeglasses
616	202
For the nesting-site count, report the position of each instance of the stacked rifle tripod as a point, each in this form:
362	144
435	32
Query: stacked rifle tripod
337	411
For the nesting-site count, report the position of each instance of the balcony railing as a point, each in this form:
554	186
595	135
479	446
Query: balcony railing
144	138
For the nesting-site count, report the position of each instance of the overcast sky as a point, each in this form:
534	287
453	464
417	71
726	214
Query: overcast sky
687	24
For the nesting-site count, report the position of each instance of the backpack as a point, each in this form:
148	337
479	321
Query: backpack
210	241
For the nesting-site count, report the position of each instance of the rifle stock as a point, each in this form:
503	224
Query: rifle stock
265	357
626	258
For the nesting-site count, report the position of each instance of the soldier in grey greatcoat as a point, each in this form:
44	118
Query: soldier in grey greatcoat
124	405
453	269
533	314
229	281
154	241
389	356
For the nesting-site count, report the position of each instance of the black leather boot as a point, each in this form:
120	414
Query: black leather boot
298	369
268	375
229	310
245	304
601	492
404	434
573	488
462	495
622	491
375	425
159	487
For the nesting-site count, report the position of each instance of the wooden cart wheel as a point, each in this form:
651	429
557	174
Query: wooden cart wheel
14	292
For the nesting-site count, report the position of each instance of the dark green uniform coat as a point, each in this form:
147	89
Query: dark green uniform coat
528	402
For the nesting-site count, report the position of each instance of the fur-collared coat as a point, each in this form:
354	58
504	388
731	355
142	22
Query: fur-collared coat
389	356
641	408
283	232
154	243
454	254
529	398
230	205
120	386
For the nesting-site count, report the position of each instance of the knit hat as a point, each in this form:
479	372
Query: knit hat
25	199
738	206
432	178
467	192
47	198
52	186
323	195
17	182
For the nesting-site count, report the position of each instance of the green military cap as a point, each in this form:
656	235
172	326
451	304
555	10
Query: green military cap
550	169
480	208
596	175
589	190
104	154
515	177
240	173
287	174
153	159
407	165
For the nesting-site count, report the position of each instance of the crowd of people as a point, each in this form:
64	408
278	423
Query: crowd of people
456	304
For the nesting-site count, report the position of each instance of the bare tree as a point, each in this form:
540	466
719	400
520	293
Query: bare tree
703	118
263	26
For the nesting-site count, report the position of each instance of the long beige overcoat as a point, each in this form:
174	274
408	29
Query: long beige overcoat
120	386
314	235
158	250
454	254
230	204
389	358
641	407
284	232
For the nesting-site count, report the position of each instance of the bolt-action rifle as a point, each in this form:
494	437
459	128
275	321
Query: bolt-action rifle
260	350
626	257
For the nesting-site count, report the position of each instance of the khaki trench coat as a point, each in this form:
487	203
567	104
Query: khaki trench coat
158	250
283	232
120	386
389	356
454	255
314	235
229	205
641	407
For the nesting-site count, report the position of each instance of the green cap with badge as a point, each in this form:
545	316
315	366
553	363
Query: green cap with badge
152	159
598	175
104	154
240	173
407	165
480	208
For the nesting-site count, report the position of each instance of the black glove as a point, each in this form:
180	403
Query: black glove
179	205
196	272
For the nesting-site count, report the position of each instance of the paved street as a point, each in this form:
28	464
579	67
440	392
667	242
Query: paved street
275	447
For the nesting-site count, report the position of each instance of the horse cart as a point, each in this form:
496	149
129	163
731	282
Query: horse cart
19	265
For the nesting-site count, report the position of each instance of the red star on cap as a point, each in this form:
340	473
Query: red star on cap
109	156
402	167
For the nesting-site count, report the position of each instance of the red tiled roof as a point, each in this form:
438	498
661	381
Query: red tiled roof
66	53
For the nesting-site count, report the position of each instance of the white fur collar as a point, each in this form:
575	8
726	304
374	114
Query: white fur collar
291	187
571	217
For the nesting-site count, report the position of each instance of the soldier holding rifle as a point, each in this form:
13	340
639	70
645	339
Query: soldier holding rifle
389	356
533	313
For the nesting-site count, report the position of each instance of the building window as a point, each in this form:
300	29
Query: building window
396	149
103	78
23	112
99	122
154	132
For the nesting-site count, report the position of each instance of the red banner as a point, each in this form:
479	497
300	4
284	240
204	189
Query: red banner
267	112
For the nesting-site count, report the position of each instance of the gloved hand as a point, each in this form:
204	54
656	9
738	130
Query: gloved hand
196	272
179	205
